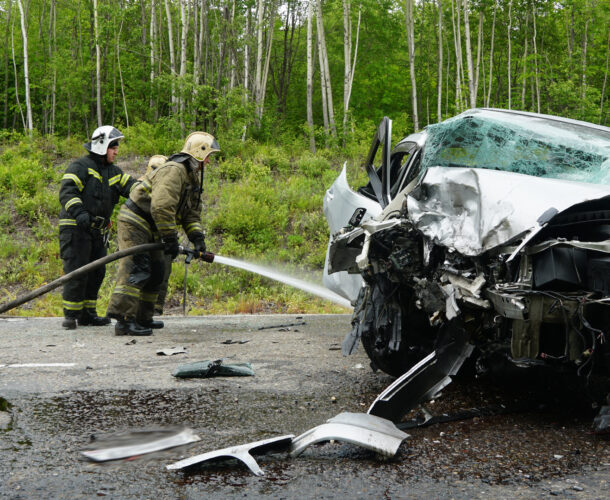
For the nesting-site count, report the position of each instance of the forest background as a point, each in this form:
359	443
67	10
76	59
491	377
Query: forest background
292	90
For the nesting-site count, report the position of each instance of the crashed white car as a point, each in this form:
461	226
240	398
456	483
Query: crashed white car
492	227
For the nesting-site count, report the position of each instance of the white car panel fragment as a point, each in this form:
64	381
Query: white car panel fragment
368	431
240	452
186	436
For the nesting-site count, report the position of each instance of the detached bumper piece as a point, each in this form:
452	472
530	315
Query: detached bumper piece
422	382
146	445
241	452
368	431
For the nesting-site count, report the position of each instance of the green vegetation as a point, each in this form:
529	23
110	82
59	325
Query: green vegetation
262	203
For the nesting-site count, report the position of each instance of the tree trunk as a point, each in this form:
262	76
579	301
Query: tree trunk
26	70
439	86
411	43
459	69
324	63
246	69
536	76
172	60
583	93
98	83
524	73
491	53
6	61
350	66
53	45
263	84
510	27
16	77
312	139
471	96
118	58
479	52
152	38
601	102
322	81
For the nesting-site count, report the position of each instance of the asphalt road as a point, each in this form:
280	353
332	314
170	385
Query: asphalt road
64	391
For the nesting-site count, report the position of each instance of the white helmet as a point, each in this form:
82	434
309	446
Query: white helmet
102	137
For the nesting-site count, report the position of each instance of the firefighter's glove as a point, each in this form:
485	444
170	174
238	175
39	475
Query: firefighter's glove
199	245
83	220
170	246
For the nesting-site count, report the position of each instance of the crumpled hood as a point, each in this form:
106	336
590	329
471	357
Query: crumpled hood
475	210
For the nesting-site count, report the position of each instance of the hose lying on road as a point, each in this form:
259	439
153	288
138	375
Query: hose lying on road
147	247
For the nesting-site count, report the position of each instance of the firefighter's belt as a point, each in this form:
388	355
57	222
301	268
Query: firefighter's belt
141	213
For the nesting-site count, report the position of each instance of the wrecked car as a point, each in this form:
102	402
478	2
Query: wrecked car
493	227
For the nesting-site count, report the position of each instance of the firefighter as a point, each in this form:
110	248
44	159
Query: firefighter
154	162
166	196
90	188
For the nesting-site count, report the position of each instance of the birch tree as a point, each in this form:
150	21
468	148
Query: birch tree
491	53
601	103
7	58
534	42
172	60
26	70
183	38
312	139
439	82
262	57
325	71
471	95
98	84
349	64
509	62
411	43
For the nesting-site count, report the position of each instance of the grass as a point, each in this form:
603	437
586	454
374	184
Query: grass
262	203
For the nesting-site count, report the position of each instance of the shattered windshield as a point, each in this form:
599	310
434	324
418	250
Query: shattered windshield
524	144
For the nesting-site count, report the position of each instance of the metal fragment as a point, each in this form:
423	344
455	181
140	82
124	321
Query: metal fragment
241	452
186	436
368	431
422	382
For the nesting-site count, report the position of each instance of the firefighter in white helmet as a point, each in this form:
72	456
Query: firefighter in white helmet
90	188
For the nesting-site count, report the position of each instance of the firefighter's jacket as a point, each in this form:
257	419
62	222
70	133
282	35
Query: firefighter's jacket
94	186
171	195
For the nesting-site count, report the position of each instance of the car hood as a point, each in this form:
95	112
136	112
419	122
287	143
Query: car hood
476	210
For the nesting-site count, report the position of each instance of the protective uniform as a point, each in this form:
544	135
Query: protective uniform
154	162
90	188
166	196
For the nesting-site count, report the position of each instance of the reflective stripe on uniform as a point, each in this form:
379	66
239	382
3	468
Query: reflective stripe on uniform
74	178
73	201
90	304
67	222
130	291
149	297
194	226
113	180
166	227
145	186
128	215
73	306
125	179
95	174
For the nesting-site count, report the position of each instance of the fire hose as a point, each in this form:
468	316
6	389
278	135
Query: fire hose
147	247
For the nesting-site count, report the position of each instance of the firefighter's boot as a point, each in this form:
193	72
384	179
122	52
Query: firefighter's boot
89	317
128	326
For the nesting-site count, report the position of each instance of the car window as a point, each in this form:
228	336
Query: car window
404	165
522	144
